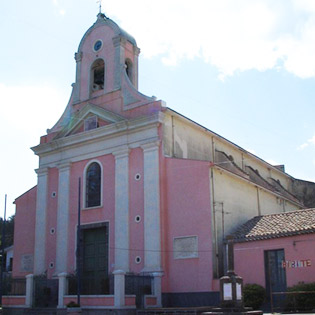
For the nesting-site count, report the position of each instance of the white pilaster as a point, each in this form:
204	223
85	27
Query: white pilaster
77	85
40	225
29	290
119	288
121	210
152	230
62	218
62	288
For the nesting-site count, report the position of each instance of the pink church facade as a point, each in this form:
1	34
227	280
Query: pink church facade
155	189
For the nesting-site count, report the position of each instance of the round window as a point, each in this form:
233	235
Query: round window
98	45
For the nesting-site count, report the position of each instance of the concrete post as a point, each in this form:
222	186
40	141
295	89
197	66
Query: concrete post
119	288
62	288
157	287
29	290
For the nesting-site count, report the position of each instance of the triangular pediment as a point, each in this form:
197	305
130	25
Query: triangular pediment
77	122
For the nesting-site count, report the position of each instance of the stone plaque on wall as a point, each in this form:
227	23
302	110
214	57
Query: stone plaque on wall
185	247
27	263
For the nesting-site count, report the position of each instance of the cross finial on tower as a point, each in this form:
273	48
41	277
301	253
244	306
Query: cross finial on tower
100	5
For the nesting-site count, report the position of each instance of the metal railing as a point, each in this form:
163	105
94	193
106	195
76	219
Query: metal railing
90	285
14	286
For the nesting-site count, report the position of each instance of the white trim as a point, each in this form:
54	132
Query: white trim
40	222
84	207
137	130
122	209
152	228
62	217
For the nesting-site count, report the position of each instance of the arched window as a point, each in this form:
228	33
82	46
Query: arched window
98	75
93	185
128	66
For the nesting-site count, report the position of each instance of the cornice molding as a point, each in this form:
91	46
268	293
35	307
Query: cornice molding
151	146
123	152
64	166
42	171
108	131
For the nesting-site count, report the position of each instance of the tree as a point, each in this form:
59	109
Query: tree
9	231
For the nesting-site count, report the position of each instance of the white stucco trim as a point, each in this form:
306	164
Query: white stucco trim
122	209
138	129
40	222
62	218
152	228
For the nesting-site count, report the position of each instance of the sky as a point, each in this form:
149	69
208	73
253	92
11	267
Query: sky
244	69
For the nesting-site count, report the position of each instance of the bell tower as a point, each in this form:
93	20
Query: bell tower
106	53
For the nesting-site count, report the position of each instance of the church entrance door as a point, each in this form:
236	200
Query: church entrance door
95	278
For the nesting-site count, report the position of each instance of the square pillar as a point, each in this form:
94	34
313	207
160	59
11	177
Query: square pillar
119	288
157	287
29	290
62	288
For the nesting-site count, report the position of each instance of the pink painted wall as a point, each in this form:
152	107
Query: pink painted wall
24	230
13	301
91	301
105	213
249	258
188	213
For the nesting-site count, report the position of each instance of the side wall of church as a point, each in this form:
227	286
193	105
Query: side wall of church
24	233
186	139
188	247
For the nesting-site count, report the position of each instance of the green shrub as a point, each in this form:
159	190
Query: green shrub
301	301
254	295
73	304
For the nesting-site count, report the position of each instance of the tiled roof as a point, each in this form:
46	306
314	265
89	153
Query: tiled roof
276	225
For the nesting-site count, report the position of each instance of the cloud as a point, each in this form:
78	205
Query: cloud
32	108
309	142
231	35
60	10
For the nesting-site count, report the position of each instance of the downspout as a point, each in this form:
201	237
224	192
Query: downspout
213	223
258	201
173	138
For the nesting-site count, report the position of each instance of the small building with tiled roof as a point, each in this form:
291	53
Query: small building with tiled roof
276	250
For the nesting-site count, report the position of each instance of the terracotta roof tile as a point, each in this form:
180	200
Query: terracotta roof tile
276	225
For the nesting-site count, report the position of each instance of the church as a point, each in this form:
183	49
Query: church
156	193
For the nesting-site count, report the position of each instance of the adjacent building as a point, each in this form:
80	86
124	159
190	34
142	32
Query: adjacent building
276	250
